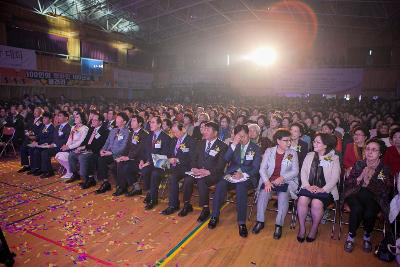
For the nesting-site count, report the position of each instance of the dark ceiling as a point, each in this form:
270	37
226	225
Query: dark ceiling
162	21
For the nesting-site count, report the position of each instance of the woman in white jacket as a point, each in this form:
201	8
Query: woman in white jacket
75	139
320	174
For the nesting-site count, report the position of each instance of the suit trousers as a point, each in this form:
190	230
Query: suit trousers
45	156
84	163
177	174
283	205
103	165
127	173
152	179
203	185
241	198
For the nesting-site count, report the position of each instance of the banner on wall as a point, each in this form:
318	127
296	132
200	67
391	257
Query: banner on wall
33	77
17	58
133	79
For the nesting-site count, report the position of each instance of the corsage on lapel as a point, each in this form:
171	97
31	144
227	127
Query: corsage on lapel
217	149
135	139
326	161
298	148
288	159
381	176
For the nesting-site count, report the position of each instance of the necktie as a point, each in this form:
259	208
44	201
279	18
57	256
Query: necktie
61	127
178	143
116	135
92	136
242	152
208	147
154	139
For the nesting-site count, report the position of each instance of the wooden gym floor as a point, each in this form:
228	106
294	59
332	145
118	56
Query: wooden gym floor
49	223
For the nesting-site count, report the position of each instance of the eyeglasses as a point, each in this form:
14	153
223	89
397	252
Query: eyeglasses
286	140
372	150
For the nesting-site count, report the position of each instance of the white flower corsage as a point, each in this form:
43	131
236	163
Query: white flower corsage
326	161
381	176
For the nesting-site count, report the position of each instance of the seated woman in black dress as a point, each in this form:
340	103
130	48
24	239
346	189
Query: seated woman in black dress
320	174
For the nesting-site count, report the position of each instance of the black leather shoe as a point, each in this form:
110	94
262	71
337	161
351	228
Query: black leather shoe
73	179
47	175
205	213
150	205
277	232
186	209
37	173
89	182
213	222
311	239
24	169
106	186
32	171
243	230
169	210
258	227
301	239
147	199
119	191
133	192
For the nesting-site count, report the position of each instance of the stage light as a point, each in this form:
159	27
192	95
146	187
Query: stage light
263	56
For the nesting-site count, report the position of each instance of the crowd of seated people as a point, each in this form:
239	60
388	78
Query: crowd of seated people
296	149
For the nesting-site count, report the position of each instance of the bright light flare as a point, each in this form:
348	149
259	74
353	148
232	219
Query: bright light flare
263	56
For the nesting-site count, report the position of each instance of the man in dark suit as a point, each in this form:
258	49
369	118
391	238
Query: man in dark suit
110	122
244	159
159	143
45	138
127	169
208	165
16	121
113	148
31	134
182	149
87	154
60	138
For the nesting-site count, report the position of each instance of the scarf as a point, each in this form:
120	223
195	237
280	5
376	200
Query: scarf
316	176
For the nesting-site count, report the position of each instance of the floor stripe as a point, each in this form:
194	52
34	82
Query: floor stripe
175	250
103	262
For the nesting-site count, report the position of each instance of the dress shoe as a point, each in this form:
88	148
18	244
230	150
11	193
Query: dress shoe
47	175
367	246
186	209
105	186
348	246
258	227
73	179
243	230
205	213
89	182
119	191
277	232
311	239
213	222
147	199
133	192
37	173
301	239
169	210
32	171
151	204
24	169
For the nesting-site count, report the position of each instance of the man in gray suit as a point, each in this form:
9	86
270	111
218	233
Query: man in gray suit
113	148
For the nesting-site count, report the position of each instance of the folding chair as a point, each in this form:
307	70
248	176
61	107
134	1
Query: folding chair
7	138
